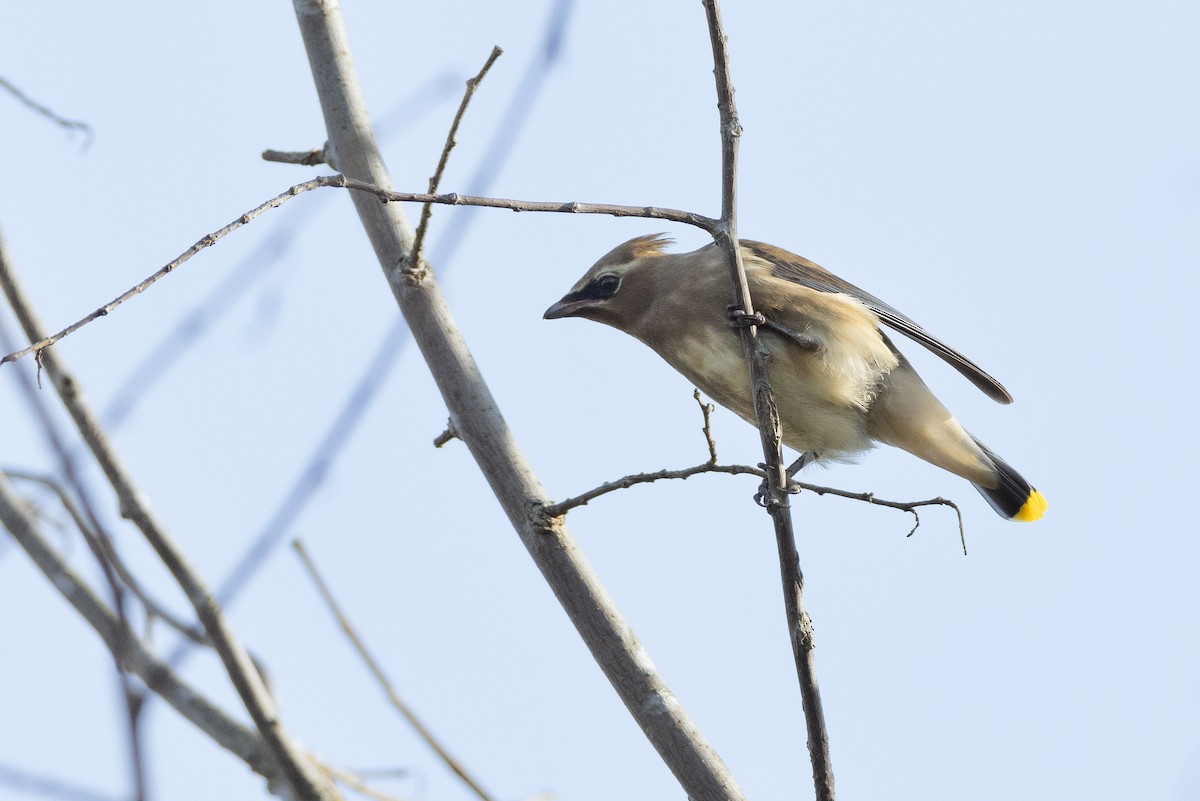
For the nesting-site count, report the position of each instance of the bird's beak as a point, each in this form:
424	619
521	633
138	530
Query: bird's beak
567	307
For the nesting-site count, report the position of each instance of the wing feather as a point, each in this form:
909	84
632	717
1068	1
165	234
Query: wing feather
791	267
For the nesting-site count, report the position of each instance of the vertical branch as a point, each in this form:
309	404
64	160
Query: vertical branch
226	732
480	425
799	625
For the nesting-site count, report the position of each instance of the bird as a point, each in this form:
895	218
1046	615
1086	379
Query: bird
840	384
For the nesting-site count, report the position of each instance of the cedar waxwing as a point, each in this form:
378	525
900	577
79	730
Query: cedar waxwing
839	382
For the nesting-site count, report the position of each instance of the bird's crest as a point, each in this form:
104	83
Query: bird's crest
635	249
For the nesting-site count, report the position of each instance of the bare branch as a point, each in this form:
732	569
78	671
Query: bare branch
554	206
312	474
63	122
447	435
418	248
381	678
483	429
43	342
904	506
358	784
46	786
567	207
245	743
799	625
98	543
625	482
153	608
305	158
255	263
296	766
711	466
706	409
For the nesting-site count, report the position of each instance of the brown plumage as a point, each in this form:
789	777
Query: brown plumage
840	383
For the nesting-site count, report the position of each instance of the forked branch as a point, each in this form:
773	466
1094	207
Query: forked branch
711	466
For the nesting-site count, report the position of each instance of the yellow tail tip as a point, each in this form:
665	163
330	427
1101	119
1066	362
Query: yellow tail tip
1033	508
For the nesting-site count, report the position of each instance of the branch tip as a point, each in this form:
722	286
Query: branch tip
418	247
304	158
450	433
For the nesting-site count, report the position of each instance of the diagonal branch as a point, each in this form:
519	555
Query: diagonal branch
98	543
356	782
386	195
381	677
62	122
302	776
41	342
153	608
476	418
244	743
362	394
32	784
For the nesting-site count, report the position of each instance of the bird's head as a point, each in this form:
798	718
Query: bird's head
617	289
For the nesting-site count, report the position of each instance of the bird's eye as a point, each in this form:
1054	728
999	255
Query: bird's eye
606	285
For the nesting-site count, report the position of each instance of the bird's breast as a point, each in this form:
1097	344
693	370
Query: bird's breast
822	409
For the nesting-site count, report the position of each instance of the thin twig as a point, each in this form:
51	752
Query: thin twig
625	482
358	784
95	537
361	395
26	782
381	677
706	409
296	766
799	625
904	506
559	207
206	241
451	199
70	125
268	252
244	743
305	158
418	249
153	608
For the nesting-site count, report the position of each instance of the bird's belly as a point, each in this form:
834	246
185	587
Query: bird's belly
818	411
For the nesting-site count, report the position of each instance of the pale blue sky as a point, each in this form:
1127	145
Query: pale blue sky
1024	180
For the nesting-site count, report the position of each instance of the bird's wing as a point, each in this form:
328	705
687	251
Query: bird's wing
791	267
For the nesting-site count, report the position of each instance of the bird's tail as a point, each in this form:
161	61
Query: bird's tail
1012	497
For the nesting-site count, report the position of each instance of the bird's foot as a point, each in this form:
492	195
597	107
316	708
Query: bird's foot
763	496
738	318
806	458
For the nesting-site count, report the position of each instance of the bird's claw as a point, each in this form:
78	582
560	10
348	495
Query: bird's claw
738	318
